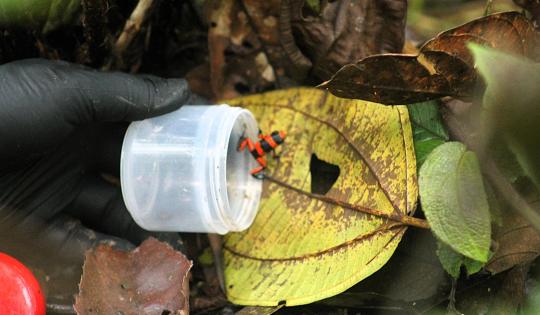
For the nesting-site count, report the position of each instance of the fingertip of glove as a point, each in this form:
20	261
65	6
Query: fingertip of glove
169	95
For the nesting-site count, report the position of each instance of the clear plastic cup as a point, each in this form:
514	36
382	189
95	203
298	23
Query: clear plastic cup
183	172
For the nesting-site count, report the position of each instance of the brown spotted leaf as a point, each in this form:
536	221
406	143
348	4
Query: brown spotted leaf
301	248
443	67
151	279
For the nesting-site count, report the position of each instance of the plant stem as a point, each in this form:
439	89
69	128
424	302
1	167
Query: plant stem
405	219
487	9
60	308
131	29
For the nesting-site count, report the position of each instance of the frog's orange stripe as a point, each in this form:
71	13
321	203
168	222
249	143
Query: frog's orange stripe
258	148
261	161
271	142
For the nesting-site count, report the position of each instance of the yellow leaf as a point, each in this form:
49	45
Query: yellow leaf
301	249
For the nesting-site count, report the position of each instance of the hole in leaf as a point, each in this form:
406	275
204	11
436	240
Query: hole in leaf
166	312
247	44
228	53
241	87
282	302
323	175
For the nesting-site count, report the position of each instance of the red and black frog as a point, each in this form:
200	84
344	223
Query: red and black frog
259	149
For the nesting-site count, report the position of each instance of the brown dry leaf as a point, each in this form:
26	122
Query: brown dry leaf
237	63
151	279
533	6
255	46
302	43
345	31
518	242
443	67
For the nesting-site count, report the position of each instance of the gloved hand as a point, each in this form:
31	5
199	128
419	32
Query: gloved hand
61	128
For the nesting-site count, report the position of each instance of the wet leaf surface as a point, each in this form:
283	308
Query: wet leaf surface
444	66
151	279
428	129
296	239
454	200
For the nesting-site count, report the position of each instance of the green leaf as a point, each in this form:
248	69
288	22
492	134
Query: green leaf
472	266
314	5
428	129
206	258
45	15
452	261
511	104
454	200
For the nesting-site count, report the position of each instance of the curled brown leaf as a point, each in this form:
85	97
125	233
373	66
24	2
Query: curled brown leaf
518	242
444	66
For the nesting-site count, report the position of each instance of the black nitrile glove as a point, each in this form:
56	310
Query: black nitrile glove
61	129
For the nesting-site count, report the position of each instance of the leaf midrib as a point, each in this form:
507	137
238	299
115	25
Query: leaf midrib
346	244
348	140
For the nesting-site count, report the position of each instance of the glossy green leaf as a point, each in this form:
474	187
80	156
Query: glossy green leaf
45	15
454	200
429	131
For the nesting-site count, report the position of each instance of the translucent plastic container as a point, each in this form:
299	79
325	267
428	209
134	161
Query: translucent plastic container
183	172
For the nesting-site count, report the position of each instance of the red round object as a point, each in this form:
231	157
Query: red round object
20	292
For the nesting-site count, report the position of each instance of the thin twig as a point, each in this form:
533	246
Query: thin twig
60	308
452	299
216	244
407	220
487	9
132	27
259	310
263	44
510	194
